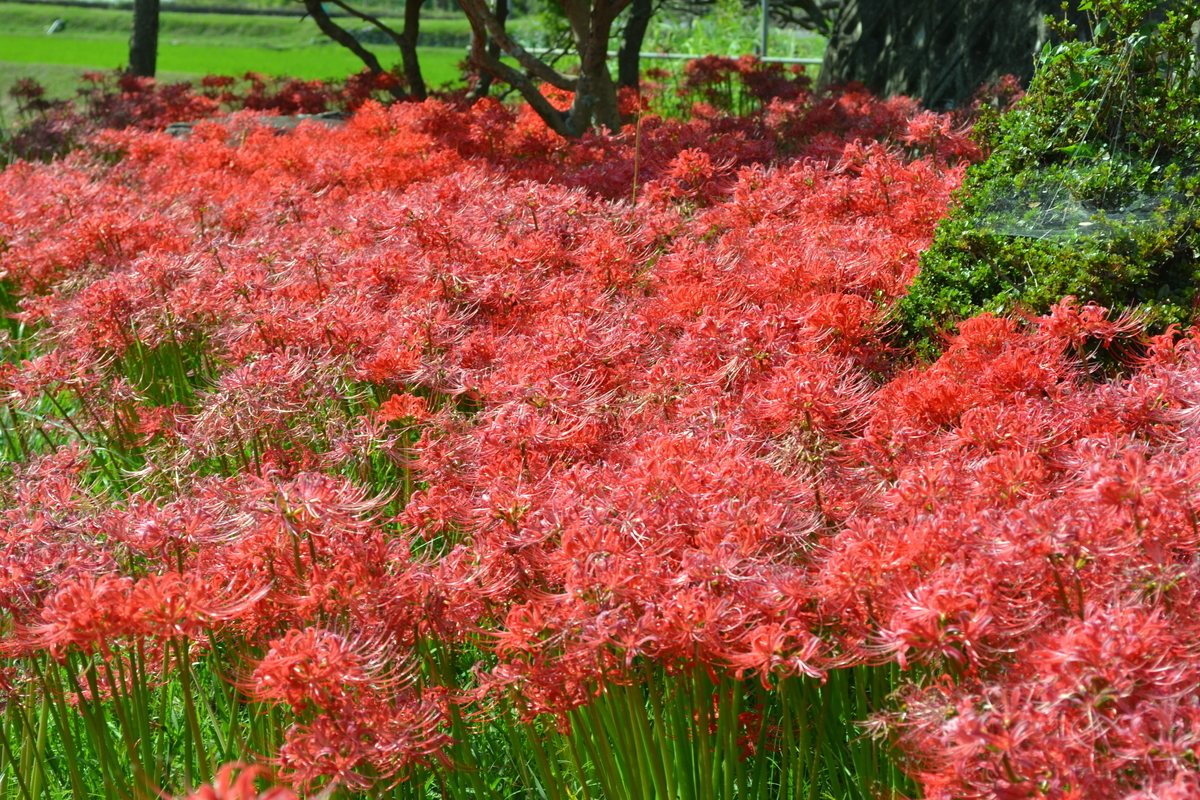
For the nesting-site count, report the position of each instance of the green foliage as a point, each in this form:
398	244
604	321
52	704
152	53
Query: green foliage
1091	186
544	26
728	29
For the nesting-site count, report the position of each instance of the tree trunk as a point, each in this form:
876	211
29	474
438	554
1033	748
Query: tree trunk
596	94
408	49
406	41
484	84
595	101
940	51
143	43
628	62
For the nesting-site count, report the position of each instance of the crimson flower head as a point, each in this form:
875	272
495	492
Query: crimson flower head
237	781
308	667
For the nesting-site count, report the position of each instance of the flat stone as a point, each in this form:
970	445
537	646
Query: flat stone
332	119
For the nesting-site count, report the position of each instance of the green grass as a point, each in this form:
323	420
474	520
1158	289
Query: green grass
226	29
32	20
438	63
62	77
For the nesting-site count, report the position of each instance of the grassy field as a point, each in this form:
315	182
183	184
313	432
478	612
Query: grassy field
439	64
190	46
32	20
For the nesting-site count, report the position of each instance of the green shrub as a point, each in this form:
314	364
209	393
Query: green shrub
1091	186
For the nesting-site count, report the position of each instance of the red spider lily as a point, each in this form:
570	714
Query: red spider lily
94	613
306	667
399	407
358	744
238	782
430	383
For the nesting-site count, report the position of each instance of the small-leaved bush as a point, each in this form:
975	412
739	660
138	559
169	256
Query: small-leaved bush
1090	189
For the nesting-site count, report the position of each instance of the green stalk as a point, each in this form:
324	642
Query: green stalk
39	752
629	711
550	777
730	755
189	707
664	762
64	728
17	771
439	671
793	754
233	743
702	703
71	424
514	746
162	747
15	447
139	693
224	751
120	693
585	737
862	752
26	749
624	752
834	730
5	727
816	750
577	763
648	745
760	750
470	766
680	707
602	758
720	760
98	732
214	721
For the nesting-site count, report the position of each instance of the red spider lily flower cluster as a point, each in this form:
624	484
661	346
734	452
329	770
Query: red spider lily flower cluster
435	381
117	100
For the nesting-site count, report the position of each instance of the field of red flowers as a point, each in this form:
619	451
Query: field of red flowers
432	456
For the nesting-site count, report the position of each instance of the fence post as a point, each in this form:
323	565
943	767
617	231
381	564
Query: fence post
766	17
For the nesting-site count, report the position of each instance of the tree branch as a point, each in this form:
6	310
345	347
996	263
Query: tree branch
477	10
365	17
551	115
341	35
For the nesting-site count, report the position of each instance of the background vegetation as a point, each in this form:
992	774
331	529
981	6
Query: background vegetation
193	45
